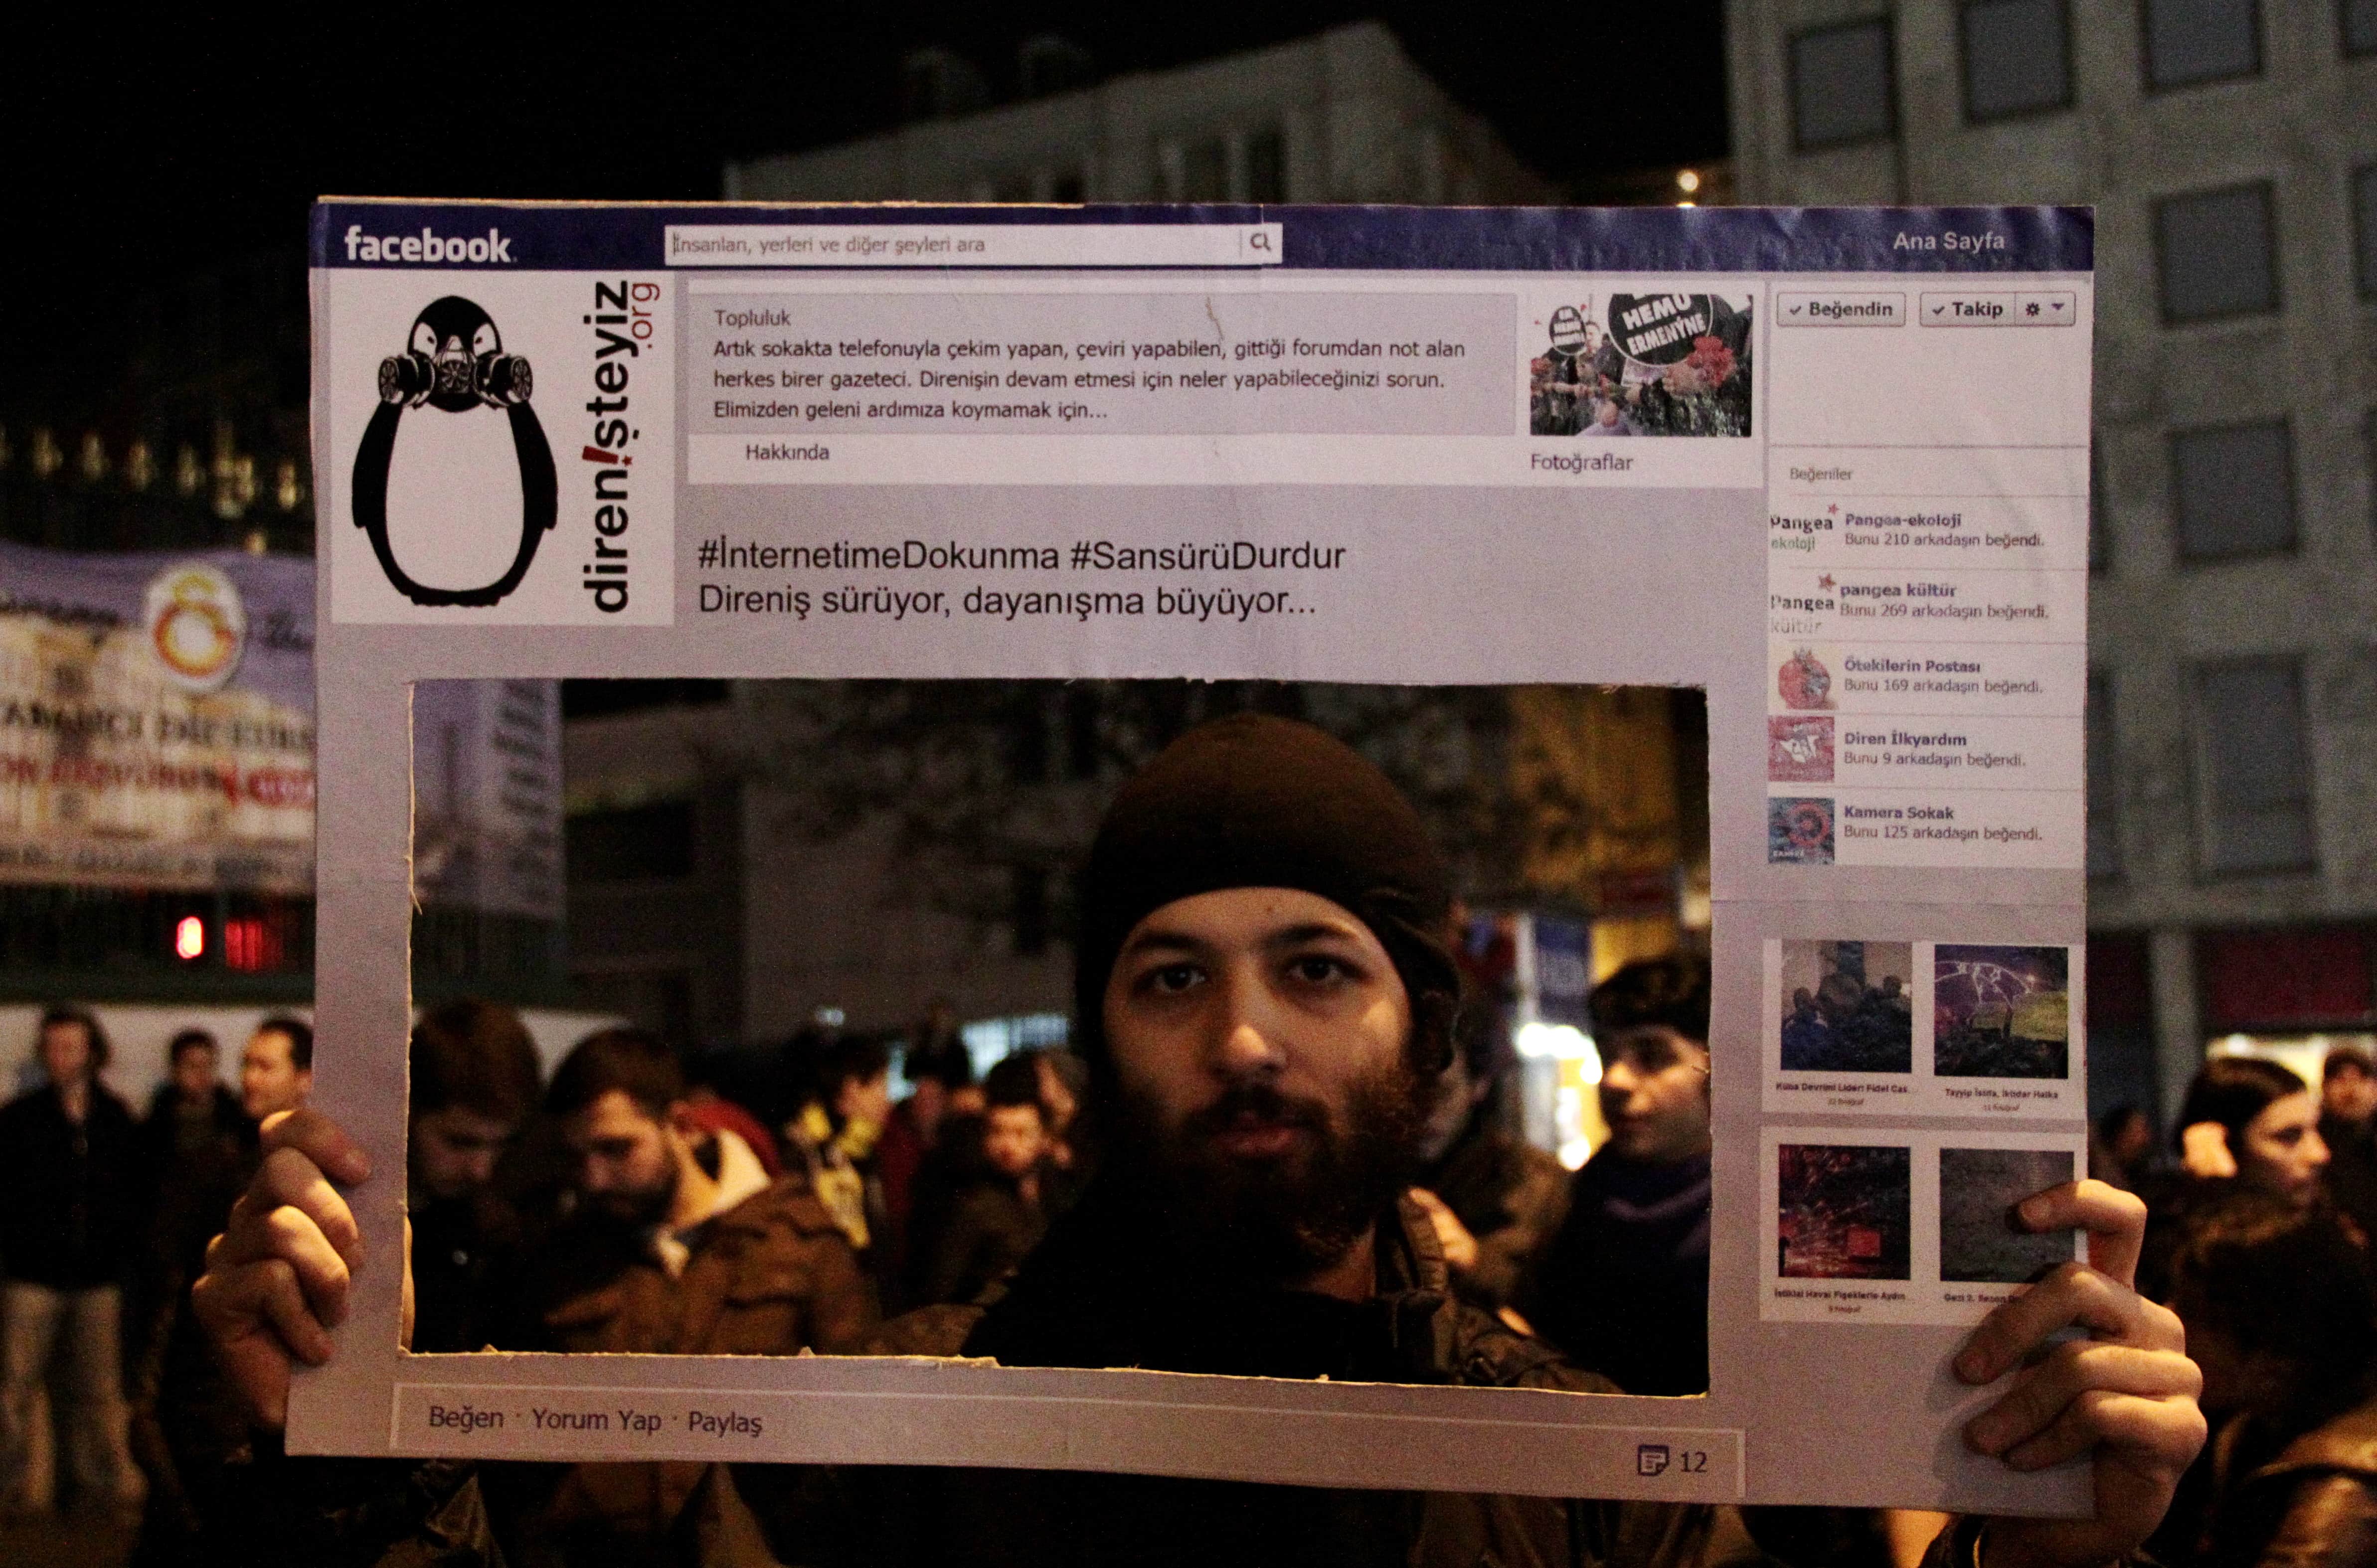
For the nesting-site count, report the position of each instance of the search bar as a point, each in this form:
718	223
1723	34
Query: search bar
973	244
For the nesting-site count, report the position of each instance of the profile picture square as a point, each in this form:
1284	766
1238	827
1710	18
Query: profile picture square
2001	1012
1980	1242
1847	1006
1843	1211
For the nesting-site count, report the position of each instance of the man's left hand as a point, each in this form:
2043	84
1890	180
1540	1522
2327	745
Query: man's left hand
2124	1392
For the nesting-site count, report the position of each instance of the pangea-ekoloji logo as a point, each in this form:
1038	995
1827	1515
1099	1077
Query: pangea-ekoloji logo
454	365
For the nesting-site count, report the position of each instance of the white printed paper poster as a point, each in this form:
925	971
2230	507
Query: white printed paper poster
975	512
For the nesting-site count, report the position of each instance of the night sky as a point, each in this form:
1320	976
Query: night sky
141	146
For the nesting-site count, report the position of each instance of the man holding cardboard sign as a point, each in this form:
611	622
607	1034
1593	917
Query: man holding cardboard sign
1265	994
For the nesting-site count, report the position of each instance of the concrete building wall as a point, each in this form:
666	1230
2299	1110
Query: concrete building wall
2306	123
1353	121
772	923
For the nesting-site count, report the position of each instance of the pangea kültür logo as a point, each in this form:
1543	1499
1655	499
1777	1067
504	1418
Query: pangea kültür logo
454	366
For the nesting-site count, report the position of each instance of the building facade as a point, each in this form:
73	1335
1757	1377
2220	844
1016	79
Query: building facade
2230	149
1340	117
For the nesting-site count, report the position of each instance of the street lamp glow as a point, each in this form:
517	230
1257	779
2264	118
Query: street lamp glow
1687	181
189	938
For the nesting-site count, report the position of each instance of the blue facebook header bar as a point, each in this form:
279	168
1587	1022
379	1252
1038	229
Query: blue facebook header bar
570	236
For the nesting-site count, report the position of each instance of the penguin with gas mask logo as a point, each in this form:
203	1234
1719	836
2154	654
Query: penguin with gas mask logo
454	362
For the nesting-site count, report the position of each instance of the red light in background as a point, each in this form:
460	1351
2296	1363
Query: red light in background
189	938
252	944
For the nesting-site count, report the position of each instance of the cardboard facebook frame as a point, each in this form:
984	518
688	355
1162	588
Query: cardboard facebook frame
558	440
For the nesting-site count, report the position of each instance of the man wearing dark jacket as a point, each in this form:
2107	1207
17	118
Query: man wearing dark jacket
1001	1217
69	1185
1625	1283
1265	998
199	1150
678	1245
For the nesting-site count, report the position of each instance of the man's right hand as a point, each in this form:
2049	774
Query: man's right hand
277	1278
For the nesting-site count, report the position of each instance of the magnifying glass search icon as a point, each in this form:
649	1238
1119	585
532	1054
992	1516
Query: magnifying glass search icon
1260	240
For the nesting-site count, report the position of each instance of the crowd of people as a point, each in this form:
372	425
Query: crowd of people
1275	1147
104	1227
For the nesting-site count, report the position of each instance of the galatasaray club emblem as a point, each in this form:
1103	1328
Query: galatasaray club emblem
198	628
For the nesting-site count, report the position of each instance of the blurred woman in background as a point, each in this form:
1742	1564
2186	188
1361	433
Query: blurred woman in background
2282	1317
2256	1120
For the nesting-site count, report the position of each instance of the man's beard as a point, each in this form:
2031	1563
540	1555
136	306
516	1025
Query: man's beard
1277	1221
637	1211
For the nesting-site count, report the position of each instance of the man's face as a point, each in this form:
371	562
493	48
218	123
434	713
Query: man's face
865	1100
1609	411
455	1150
1260	1036
1013	1139
1655	1095
194	1072
627	1160
65	1051
270	1079
2349	1093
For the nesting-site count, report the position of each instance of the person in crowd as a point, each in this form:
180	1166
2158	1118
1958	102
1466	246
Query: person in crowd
2255	1120
69	1191
1624	1287
1266	999
948	1170
1609	419
276	1070
2281	1315
2244	1121
193	1117
1000	1216
2347	1126
199	1150
909	1135
1806	1034
1494	1200
2121	1147
833	1136
709	1109
473	1085
678	1245
1063	1079
936	1047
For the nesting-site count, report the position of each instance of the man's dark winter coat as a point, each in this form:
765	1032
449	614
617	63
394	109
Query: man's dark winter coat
71	1217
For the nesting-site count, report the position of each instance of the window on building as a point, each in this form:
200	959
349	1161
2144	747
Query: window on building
1205	171
2218	253
2017	57
2232	491
2364	226
2189	41
1266	167
2103	775
2256	767
631	844
1841	87
2356	22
